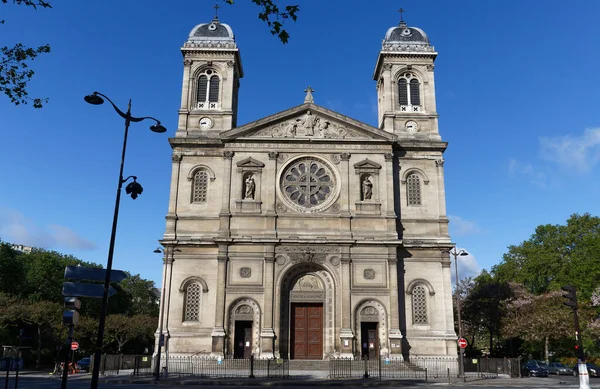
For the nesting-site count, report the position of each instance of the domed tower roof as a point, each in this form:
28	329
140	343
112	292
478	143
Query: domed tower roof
404	38
213	34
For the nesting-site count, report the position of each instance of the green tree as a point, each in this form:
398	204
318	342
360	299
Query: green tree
542	319
274	16
46	319
12	271
554	256
143	295
483	309
15	72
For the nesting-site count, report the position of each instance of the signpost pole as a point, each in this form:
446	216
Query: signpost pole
66	365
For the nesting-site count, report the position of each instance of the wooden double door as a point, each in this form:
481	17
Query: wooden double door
307	331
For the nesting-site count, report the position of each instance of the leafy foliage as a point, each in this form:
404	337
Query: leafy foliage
556	255
31	305
274	17
15	72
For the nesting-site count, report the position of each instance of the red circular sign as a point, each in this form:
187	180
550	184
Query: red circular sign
462	343
74	346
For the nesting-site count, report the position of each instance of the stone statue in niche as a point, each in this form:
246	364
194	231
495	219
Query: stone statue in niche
367	188
250	188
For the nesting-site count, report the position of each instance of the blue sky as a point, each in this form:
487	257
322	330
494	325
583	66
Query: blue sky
517	93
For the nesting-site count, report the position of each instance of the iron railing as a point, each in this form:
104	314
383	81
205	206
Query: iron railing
374	368
213	367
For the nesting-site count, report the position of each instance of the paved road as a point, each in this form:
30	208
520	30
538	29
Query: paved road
83	382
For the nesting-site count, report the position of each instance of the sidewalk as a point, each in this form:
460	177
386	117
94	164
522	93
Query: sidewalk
301	378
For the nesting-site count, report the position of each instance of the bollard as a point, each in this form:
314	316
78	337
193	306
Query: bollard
252	366
17	373
366	375
7	373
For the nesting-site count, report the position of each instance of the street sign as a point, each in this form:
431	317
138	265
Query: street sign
74	346
85	290
93	274
462	343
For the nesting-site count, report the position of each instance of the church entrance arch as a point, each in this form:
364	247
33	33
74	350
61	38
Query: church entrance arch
306	312
371	325
244	320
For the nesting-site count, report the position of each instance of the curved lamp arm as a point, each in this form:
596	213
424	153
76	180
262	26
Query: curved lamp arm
121	113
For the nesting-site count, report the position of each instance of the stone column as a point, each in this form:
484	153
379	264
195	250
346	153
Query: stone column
346	334
395	334
218	332
271	196
184	109
389	180
225	214
171	229
441	189
267	335
447	285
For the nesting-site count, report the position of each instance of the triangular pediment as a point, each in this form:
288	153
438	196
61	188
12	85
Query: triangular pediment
367	164
307	122
250	162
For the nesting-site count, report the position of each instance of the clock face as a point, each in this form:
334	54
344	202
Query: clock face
412	126
206	123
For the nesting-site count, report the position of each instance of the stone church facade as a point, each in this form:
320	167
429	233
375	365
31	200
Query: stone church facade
307	234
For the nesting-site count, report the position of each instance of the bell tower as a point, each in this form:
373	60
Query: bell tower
405	84
211	79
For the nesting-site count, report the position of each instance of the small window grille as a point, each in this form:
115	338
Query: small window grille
202	86
419	304
415	98
200	187
402	92
213	94
414	189
192	302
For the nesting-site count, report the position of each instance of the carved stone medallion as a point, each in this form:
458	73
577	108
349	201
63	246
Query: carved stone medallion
245	272
369	274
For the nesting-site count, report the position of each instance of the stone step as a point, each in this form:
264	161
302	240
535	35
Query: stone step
303	364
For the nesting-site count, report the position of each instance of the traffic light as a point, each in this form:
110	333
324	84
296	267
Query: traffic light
71	313
571	296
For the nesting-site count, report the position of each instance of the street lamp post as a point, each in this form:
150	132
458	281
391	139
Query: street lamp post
134	189
161	337
461	361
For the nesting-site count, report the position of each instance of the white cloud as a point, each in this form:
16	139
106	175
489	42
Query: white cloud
460	226
527	170
16	228
467	266
578	152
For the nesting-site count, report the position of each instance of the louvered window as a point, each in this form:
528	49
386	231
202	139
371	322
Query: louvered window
202	87
402	92
213	94
413	187
207	93
415	98
200	187
193	294
419	304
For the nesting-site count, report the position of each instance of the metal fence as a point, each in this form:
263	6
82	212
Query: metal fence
374	368
493	366
213	367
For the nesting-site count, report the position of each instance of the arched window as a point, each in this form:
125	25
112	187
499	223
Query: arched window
409	93
419	304
193	300
413	189
415	98
200	187
207	92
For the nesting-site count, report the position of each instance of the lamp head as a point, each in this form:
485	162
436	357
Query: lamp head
158	250
463	253
94	99
158	128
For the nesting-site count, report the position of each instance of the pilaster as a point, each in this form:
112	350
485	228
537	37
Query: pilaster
225	214
267	335
346	334
218	332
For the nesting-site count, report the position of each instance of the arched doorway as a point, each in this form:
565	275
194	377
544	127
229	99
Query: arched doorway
371	329
244	324
306	312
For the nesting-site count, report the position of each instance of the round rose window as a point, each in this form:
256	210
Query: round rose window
308	184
